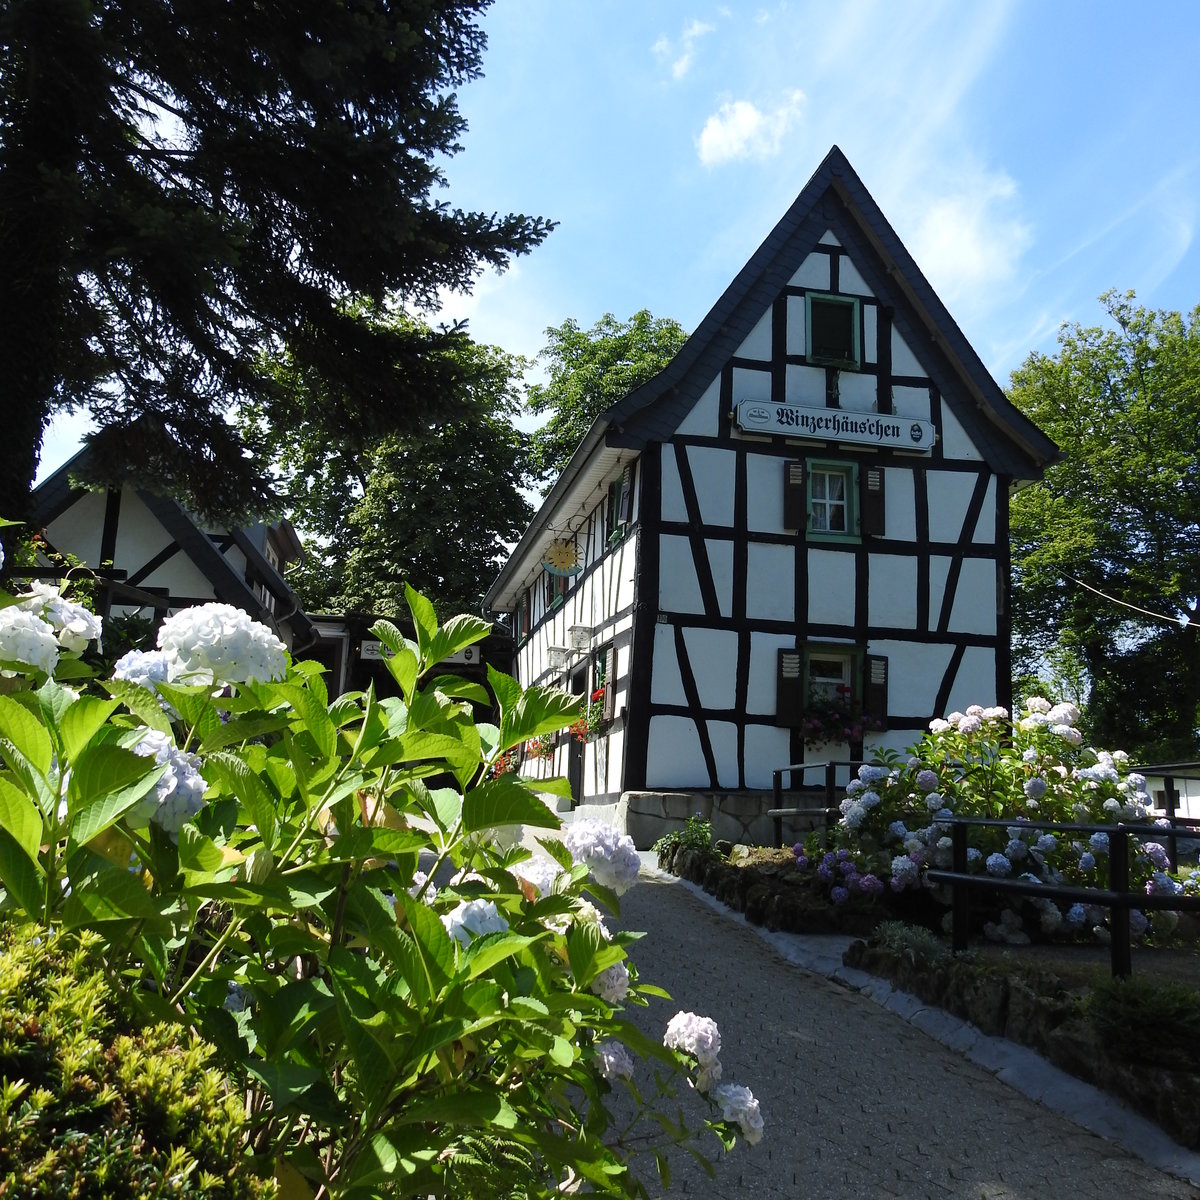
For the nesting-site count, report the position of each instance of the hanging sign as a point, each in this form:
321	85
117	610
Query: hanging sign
836	425
562	557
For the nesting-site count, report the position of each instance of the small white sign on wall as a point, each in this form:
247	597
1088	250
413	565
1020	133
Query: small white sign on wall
373	651
836	425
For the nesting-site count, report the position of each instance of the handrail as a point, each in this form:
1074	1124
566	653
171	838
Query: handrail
1118	898
830	767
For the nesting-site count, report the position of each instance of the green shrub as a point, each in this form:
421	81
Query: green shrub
91	1105
913	942
1145	1021
696	834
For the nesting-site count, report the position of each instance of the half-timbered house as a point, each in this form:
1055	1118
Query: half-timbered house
794	540
151	556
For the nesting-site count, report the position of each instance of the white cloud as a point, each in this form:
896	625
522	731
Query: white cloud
681	57
740	130
967	240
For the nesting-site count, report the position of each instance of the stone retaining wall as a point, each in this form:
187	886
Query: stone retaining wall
737	817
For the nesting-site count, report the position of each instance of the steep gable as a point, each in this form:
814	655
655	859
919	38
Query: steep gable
835	210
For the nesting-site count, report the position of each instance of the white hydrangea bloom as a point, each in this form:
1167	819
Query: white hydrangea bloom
612	985
74	626
938	725
610	856
1037	704
26	639
179	794
143	667
1064	714
694	1035
421	880
539	871
738	1104
472	919
218	643
614	1061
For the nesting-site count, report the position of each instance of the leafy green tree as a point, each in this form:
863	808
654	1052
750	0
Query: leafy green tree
433	508
184	186
590	370
1106	549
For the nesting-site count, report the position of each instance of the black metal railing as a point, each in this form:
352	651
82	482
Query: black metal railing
1117	897
829	812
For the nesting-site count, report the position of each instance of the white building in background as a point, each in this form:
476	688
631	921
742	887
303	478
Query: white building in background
809	503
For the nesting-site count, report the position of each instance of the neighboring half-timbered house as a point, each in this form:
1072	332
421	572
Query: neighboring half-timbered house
151	556
794	540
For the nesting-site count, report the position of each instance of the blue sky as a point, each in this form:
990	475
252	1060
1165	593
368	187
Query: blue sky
1030	155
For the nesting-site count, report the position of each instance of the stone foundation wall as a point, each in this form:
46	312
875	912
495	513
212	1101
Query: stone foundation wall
735	816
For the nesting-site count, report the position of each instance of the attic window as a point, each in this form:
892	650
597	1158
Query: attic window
832	331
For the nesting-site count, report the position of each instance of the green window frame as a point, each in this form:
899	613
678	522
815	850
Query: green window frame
832	501
832	331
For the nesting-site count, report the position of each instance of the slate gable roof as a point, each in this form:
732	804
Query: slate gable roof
835	199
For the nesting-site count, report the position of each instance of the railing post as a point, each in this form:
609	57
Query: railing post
777	791
1118	918
1171	798
961	897
830	783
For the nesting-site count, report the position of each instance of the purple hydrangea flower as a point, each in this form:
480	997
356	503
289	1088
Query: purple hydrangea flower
839	895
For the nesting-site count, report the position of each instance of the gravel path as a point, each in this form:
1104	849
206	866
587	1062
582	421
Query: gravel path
857	1101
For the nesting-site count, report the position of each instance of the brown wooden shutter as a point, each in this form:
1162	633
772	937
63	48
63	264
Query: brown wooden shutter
789	689
875	689
795	501
871	503
610	682
625	509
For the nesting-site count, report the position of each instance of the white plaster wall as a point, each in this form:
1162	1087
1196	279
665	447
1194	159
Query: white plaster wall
900	505
975	682
674	758
912	402
813	273
767	749
985	527
955	442
914	675
720	563
749	384
772	570
758	341
666	685
857	392
974	608
764	657
829	238
870	332
78	530
626	567
904	361
831	587
722	737
949	499
849	280
713	474
764	493
892	596
678	588
804	385
673	507
713	655
795	314
704	419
